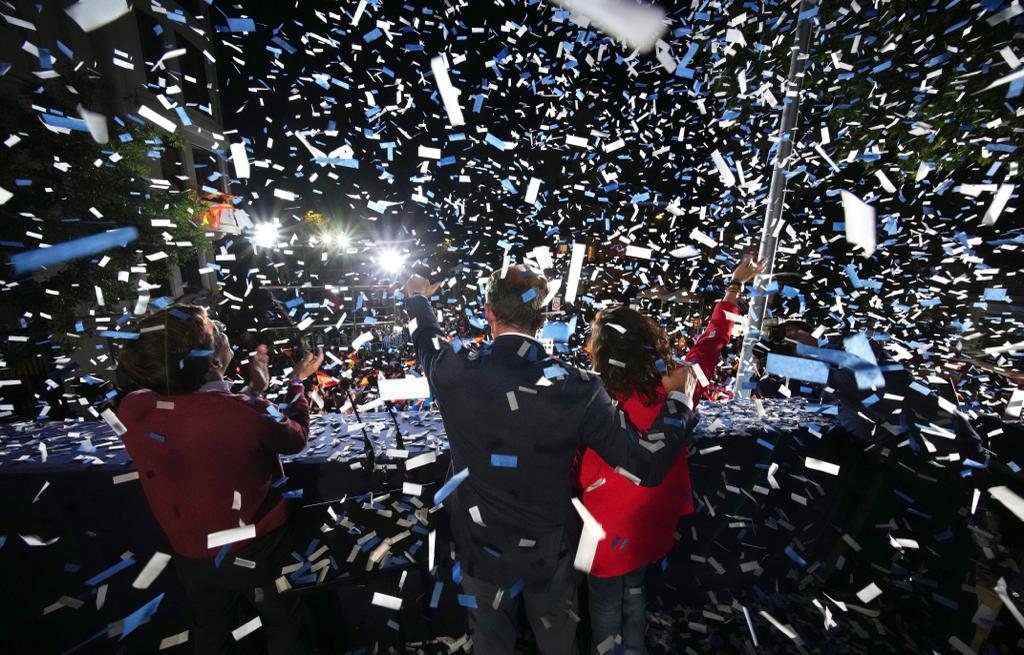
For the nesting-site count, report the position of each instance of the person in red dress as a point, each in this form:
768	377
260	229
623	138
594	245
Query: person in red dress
631	352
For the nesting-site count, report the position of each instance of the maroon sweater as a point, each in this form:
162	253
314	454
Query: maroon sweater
193	458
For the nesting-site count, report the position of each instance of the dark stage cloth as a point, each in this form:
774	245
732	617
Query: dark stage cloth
746	546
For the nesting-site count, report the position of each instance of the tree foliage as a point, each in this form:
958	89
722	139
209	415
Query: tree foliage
67	186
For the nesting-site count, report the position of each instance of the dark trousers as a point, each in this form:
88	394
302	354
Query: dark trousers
226	597
618	606
547	610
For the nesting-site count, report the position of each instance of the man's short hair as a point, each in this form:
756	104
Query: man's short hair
517	297
172	353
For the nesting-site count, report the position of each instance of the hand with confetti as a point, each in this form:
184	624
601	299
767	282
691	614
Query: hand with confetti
417	285
259	372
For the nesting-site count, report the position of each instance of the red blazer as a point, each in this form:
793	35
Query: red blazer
193	458
640	522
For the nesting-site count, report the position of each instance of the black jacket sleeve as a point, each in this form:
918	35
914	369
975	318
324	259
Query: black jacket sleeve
646	461
426	335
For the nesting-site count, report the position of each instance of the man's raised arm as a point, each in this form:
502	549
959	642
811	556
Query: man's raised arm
424	329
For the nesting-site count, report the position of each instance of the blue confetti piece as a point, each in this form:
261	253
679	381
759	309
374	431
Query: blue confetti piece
798	368
125	336
284	44
450	486
920	388
457	573
221	554
140	616
995	294
155	436
200	353
113	570
529	294
795	556
74	249
435	596
515	589
467	600
504	461
372	35
554	371
494	141
241	25
65	122
183	115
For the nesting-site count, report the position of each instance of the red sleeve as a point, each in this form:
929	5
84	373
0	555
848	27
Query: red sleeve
708	348
288	434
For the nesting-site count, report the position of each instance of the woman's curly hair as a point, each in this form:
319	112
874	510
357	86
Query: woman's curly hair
630	351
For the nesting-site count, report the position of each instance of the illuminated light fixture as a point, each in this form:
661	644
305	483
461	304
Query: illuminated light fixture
391	261
264	235
340	240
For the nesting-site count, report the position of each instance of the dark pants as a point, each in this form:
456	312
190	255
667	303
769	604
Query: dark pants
618	606
223	599
548	611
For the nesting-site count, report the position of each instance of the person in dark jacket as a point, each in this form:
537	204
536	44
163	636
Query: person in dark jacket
209	467
515	420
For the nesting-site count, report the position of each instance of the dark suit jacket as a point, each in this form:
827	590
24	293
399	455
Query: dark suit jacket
517	419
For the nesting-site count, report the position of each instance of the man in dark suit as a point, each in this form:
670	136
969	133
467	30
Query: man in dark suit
515	420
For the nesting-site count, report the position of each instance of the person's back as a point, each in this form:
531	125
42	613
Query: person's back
208	463
515	420
194	452
517	430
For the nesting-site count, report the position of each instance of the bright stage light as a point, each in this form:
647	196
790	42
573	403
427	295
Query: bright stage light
340	240
391	261
265	235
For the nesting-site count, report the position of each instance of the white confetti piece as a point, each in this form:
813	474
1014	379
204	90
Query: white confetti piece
1009	500
94	14
386	601
154	567
579	251
174	640
230	536
635	25
728	178
449	94
246	629
531	191
998	204
869	593
410	388
420	460
860	222
820	465
157	119
590	536
240	160
115	423
96	124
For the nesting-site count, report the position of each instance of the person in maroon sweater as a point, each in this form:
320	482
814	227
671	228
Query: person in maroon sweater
208	461
631	352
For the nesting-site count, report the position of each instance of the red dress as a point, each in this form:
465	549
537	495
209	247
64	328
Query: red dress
640	522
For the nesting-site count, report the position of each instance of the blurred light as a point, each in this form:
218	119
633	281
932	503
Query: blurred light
391	261
340	240
264	235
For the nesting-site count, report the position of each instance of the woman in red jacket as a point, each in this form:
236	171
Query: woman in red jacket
631	352
209	467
